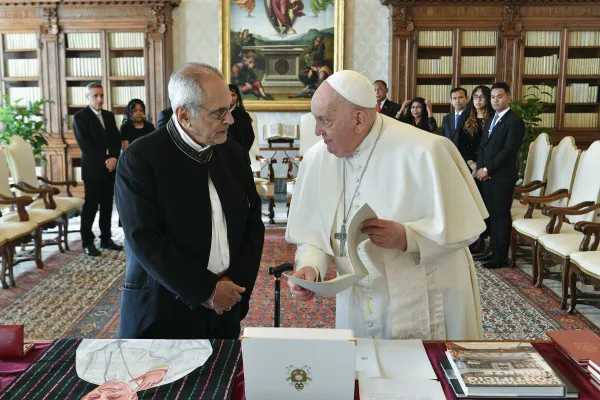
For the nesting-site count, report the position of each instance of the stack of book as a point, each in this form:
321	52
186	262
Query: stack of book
577	346
506	369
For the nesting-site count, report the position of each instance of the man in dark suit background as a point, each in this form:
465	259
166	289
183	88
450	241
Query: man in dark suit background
384	106
98	138
497	169
452	121
191	217
163	117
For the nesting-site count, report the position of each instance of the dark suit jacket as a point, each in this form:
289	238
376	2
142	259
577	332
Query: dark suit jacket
390	108
168	228
447	128
97	144
163	117
498	151
241	131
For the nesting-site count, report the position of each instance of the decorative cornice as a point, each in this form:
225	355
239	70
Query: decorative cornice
511	19
51	23
157	17
402	19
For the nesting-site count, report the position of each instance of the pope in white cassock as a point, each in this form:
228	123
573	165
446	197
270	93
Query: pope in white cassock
422	281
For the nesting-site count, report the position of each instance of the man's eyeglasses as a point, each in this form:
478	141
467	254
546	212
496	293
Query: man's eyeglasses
475	97
221	112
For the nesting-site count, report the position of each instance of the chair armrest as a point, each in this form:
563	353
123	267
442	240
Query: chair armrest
589	230
68	184
47	193
530	187
559	194
20	202
587	227
298	158
580	211
549	210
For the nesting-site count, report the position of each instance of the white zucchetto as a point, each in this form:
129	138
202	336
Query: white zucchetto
354	87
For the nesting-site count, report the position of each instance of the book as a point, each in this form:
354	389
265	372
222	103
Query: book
579	346
572	392
502	369
280	131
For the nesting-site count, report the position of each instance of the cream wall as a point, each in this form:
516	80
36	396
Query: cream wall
367	46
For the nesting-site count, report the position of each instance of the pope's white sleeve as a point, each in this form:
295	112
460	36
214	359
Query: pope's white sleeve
310	256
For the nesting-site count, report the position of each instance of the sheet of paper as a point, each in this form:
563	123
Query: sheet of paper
388	389
355	238
366	359
402	360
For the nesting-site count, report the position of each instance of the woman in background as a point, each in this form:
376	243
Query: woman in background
241	131
479	110
420	115
134	125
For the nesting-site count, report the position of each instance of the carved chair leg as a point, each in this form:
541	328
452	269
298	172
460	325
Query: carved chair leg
38	248
272	211
66	232
534	265
513	248
573	287
539	260
60	237
565	283
4	267
11	264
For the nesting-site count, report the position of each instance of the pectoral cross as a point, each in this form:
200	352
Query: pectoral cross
342	236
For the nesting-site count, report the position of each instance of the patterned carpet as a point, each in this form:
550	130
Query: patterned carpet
78	296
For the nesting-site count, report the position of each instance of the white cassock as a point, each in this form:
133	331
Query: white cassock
421	181
99	361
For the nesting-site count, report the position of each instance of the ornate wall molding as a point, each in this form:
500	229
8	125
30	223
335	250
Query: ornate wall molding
511	19
51	21
157	17
399	3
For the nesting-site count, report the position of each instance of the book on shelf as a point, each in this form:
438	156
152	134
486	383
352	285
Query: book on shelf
435	93
122	95
478	65
22	68
126	40
583	66
127	66
25	94
584	38
479	38
547	65
84	67
581	120
502	369
20	41
435	38
542	38
581	93
435	66
83	40
280	131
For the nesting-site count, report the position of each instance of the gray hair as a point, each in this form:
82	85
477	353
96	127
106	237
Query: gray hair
185	85
92	85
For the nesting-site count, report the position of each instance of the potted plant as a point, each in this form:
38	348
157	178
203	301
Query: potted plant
25	119
529	108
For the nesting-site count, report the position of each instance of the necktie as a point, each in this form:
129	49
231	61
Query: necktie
378	106
99	115
456	118
493	124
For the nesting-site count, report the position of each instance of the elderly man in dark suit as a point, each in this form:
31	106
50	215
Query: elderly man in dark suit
497	169
163	117
192	219
98	138
384	105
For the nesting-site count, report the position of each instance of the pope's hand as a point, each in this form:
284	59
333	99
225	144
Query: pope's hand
385	233
150	379
308	274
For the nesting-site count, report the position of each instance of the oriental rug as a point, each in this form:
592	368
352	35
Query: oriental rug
78	296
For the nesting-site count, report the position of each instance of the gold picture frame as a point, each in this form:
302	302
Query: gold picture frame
273	52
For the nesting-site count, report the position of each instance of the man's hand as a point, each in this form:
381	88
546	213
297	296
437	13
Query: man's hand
308	274
111	164
227	294
150	379
482	175
385	233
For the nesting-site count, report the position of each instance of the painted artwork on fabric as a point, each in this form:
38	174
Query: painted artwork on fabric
122	368
280	50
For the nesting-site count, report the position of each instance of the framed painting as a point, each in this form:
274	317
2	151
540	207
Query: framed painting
278	52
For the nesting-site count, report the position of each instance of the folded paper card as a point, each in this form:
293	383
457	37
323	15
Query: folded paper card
357	249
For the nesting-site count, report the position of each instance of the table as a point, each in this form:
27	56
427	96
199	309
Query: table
10	369
267	191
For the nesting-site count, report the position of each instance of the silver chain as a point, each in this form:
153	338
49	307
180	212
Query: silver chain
346	215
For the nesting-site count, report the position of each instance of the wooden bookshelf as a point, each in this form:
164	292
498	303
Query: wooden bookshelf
20	69
532	43
127	30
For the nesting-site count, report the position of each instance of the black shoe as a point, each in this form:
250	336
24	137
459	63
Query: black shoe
110	245
91	251
477	247
483	257
493	264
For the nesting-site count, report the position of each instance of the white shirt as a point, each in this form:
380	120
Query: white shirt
218	261
99	115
